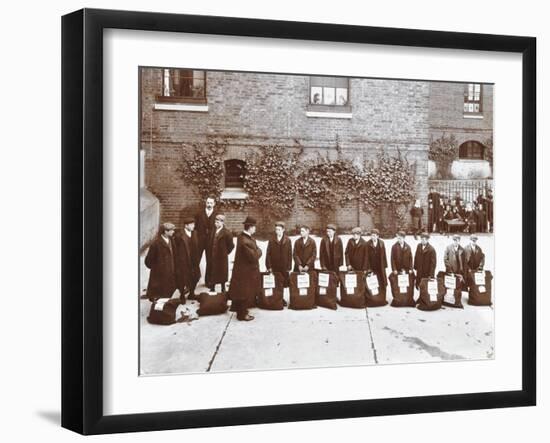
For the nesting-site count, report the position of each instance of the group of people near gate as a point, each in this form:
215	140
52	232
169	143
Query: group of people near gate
446	213
174	258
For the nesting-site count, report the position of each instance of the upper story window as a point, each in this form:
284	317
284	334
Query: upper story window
471	150
473	99
329	97
183	85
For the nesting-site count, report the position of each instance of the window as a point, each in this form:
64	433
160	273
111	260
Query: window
472	98
183	85
234	174
329	91
471	150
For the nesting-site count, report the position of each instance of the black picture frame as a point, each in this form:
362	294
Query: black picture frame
82	218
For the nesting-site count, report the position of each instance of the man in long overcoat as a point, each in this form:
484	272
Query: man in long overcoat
401	255
160	259
435	210
454	257
279	253
205	224
305	251
187	259
331	250
376	260
356	251
217	254
246	282
424	259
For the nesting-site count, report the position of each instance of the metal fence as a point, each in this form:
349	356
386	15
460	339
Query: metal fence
468	189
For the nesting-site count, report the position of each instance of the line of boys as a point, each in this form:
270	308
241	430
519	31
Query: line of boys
174	259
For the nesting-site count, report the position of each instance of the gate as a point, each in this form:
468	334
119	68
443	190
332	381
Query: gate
467	189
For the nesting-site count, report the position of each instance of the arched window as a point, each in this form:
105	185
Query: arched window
234	173
471	150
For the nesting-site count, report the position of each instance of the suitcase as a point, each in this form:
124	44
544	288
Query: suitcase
480	294
402	288
450	287
212	303
163	311
430	299
352	289
303	288
327	282
271	296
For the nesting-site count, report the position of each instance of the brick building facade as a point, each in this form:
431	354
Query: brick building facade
250	110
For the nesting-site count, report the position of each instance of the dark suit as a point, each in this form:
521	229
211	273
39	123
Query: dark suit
187	262
217	252
279	256
424	262
204	226
473	259
160	260
435	211
304	254
401	257
376	261
356	253
331	253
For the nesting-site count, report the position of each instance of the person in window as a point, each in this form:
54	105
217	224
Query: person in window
305	251
424	259
279	253
219	248
160	259
416	217
356	251
454	257
316	98
246	281
341	100
331	252
376	261
187	259
204	225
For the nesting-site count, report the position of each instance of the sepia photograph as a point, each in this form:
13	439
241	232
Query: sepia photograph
295	221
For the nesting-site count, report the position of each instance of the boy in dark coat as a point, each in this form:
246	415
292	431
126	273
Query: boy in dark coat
331	250
481	219
305	251
454	257
424	259
279	253
434	210
376	260
217	253
246	282
416	218
356	251
160	260
474	258
187	259
401	255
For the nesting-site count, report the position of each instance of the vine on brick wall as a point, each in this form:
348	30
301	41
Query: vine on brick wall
271	180
202	165
443	151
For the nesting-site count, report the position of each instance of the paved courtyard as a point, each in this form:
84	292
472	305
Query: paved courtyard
318	337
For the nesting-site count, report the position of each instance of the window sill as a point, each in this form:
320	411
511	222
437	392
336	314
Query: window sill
233	194
180	107
324	114
474	116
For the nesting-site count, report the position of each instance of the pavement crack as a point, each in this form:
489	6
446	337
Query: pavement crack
211	362
371	338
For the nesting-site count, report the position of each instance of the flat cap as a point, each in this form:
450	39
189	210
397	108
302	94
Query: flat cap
473	237
188	220
331	226
281	224
456	237
220	217
375	231
168	226
424	235
305	227
356	230
401	233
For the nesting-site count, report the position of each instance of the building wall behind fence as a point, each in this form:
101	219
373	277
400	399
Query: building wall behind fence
249	110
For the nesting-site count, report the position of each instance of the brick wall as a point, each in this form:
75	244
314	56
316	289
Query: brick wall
248	110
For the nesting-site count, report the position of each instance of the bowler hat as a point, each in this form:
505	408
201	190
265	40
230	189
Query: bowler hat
249	220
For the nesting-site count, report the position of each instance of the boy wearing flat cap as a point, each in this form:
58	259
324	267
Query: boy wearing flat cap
376	260
187	259
279	253
160	259
474	258
401	255
332	250
217	253
454	257
356	251
305	251
424	259
246	282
